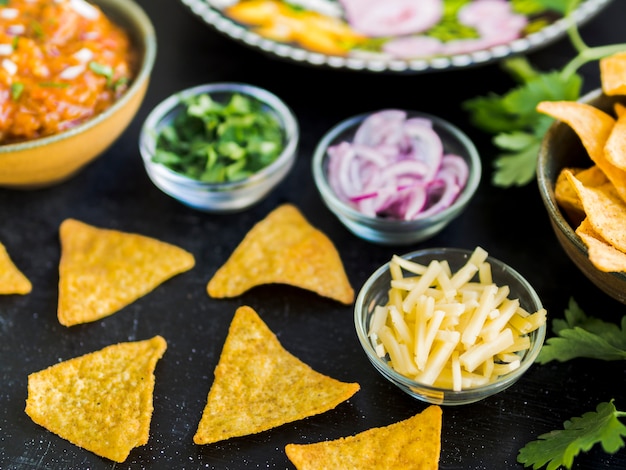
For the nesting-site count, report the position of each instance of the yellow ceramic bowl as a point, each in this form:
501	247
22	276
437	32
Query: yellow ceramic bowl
561	148
53	159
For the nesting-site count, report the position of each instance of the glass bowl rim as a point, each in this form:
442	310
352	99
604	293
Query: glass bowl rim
401	380
470	155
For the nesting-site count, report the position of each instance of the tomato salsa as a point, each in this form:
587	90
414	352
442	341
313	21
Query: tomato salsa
61	62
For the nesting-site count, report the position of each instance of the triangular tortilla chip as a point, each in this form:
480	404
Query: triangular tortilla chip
615	147
12	280
103	270
414	443
101	401
593	126
606	212
602	255
284	248
259	385
613	74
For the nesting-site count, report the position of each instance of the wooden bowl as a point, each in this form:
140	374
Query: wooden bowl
50	160
562	148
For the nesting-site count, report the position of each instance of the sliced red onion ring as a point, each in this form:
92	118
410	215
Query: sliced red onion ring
396	168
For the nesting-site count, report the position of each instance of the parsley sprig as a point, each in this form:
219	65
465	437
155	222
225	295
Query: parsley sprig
512	119
559	448
578	336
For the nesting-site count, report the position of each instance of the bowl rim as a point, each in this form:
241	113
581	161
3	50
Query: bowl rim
146	40
546	186
289	123
390	373
340	207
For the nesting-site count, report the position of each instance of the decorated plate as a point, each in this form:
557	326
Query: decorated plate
405	36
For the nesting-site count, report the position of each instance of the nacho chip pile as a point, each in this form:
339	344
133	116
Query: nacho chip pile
412	444
12	280
101	401
283	248
594	198
259	385
103	270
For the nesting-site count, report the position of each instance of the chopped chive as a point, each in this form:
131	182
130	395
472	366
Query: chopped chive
101	69
16	90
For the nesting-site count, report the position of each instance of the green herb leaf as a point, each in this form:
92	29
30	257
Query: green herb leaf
218	142
16	90
559	448
101	69
581	336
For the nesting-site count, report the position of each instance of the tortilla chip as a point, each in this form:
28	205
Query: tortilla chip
101	401
259	385
567	197
602	255
615	147
12	280
284	248
606	212
593	126
592	176
103	270
619	109
613	74
414	443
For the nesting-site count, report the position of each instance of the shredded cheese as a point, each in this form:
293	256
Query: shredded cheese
448	329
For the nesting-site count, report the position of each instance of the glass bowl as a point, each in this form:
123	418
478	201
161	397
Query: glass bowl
375	292
387	231
228	196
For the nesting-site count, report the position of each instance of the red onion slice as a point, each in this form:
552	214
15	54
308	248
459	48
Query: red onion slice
396	168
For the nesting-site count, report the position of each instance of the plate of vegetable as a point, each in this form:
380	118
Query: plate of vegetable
395	36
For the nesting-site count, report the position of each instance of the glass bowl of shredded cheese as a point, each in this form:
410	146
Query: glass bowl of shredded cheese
395	176
449	326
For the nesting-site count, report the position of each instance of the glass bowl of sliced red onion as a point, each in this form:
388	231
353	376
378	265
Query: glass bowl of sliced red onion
396	177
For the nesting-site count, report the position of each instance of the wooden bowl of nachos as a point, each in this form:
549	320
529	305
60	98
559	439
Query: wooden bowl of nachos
576	159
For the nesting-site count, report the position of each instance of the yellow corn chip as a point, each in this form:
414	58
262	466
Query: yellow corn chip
613	74
103	270
602	255
412	444
12	280
619	109
101	401
593	126
615	147
606	212
283	248
567	197
259	385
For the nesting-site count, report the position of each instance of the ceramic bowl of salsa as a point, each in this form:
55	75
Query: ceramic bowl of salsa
394	176
80	101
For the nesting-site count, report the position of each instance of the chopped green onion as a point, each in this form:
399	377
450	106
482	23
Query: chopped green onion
16	90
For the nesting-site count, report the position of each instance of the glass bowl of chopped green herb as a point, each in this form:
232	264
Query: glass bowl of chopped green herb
219	147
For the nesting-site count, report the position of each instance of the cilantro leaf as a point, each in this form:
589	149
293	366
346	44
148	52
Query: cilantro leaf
560	447
581	336
515	122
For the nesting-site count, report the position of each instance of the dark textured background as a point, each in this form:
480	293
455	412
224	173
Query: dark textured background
114	192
